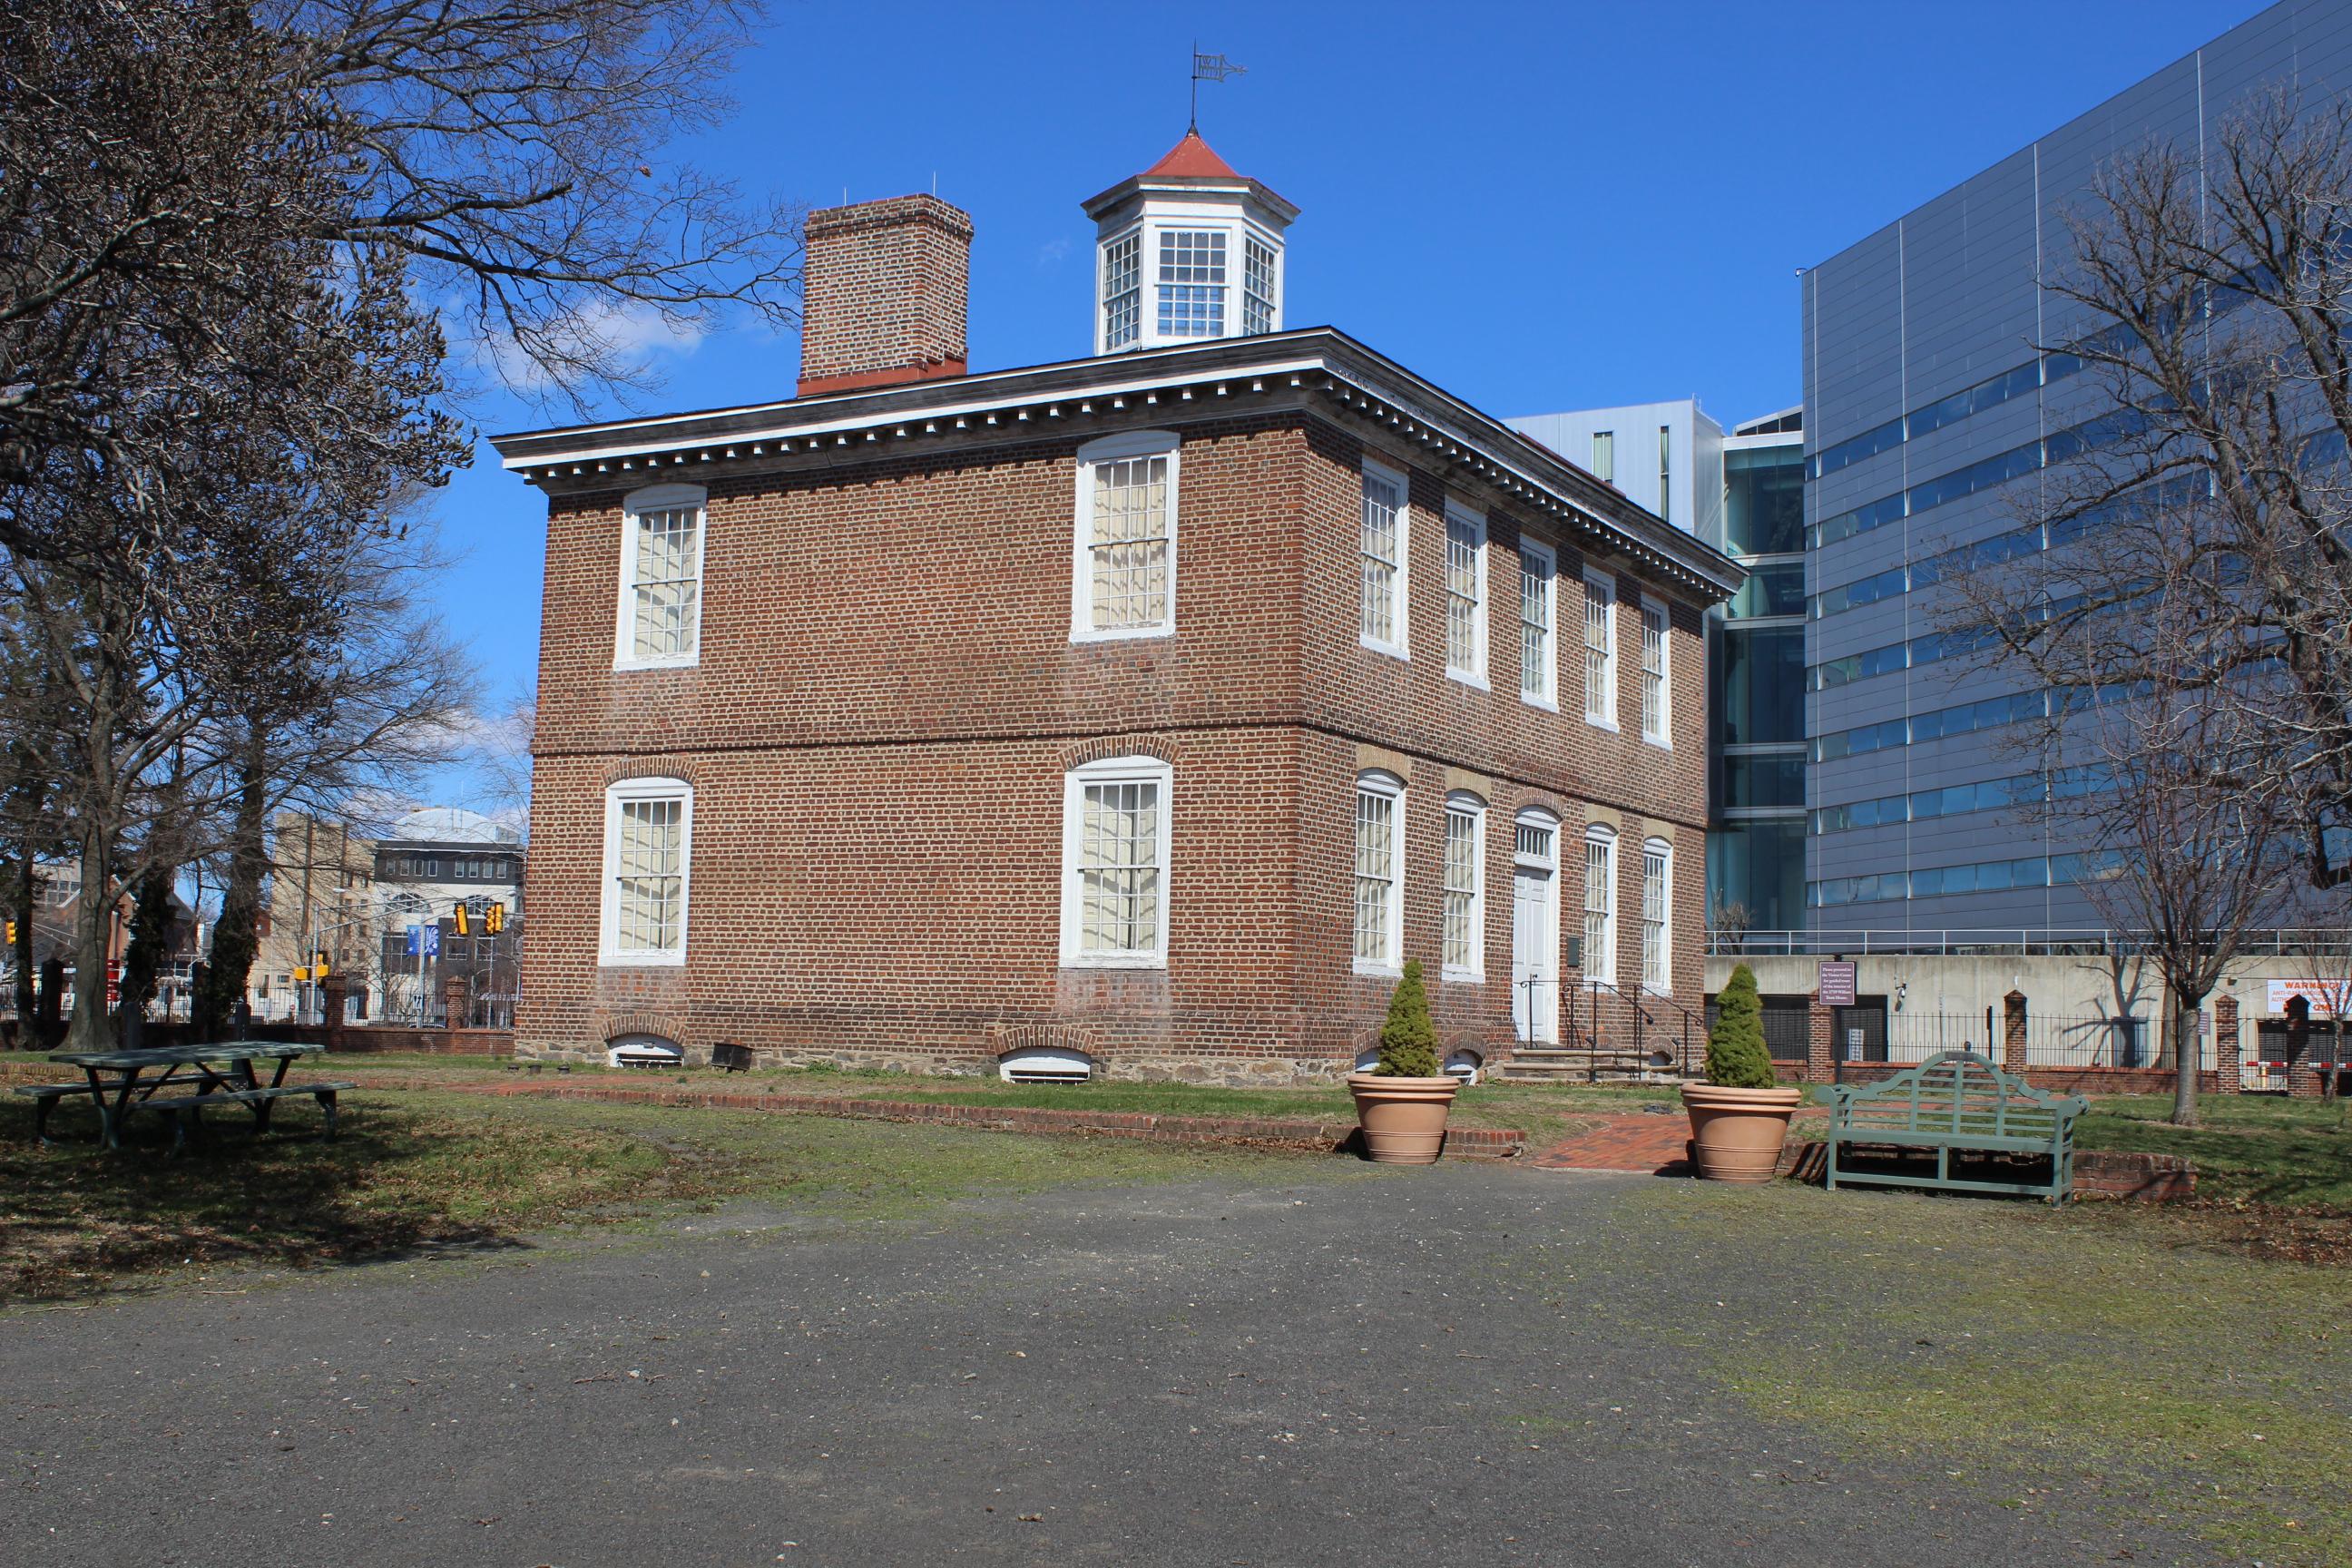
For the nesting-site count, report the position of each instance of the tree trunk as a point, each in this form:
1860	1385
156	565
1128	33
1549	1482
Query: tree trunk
151	945
2186	1049
235	935
94	926
21	903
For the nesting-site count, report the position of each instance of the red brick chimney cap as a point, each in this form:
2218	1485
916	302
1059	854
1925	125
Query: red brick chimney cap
1192	158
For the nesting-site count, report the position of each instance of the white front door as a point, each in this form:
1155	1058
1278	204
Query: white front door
1534	974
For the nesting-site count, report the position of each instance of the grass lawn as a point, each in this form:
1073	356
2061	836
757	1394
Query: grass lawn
2251	1148
417	1169
2038	1353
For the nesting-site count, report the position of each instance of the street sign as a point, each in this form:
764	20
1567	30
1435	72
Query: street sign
1836	980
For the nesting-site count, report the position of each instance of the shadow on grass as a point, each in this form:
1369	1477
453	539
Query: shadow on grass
79	1219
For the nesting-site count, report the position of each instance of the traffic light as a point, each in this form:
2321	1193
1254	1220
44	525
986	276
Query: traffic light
319	965
12	933
459	914
494	919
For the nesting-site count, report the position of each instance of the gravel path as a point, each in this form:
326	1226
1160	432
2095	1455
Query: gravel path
1346	1368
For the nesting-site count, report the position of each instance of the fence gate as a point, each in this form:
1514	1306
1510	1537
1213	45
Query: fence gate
1858	1034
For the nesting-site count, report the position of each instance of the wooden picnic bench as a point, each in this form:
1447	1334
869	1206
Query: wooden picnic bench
1957	1102
119	1082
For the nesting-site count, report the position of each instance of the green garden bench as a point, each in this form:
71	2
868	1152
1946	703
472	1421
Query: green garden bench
1957	1102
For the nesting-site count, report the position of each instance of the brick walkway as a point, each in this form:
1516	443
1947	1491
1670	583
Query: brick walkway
1658	1145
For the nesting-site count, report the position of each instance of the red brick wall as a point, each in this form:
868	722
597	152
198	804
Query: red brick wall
885	294
887	700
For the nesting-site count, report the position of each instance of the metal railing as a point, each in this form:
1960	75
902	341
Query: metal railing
2300	942
1682	1039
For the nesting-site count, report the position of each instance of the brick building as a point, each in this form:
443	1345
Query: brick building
1140	713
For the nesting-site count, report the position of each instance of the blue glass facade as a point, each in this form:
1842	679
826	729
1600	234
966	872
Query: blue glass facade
1932	403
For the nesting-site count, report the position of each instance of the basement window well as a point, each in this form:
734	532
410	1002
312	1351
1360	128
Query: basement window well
651	1053
1047	1064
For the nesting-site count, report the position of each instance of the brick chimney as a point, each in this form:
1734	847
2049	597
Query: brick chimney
887	288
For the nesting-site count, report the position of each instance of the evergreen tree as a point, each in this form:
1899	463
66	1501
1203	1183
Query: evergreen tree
1409	1039
1736	1055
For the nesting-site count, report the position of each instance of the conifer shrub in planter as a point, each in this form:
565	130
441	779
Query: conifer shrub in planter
1401	1103
1739	1116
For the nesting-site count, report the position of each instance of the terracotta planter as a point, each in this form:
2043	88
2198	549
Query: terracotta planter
1736	1133
1403	1118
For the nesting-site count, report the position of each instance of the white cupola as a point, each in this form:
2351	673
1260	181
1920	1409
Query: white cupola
1186	250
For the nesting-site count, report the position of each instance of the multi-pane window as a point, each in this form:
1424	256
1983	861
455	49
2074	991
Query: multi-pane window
1381	551
1654	716
1601	904
1604	455
1538	572
661	576
646	827
1125	581
1465	594
1665	468
1191	283
1115	863
1122	290
1462	939
1257	286
1657	899
1600	650
1379	885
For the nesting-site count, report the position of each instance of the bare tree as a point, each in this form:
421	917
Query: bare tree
2208	304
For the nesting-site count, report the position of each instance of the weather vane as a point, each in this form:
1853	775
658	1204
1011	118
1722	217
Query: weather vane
1209	67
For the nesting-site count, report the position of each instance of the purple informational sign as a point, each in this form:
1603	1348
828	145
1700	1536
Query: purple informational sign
1837	983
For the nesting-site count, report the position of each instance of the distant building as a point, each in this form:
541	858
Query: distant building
1744	494
429	863
318	899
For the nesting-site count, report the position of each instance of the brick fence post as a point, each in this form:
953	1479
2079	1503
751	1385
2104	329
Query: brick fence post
457	1003
2229	1057
332	1009
2302	1078
1820	1063
2013	1033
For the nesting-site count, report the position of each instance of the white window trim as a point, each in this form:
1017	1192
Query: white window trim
1475	673
609	953
1603	964
1465	804
1103	344
656	497
1375	782
1548	699
1607	718
1402	596
1110	449
1112	770
1665	737
1664	851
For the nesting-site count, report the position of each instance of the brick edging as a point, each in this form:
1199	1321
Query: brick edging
1461	1142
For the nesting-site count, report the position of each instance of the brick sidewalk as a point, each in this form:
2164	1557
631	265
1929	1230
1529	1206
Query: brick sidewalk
1658	1145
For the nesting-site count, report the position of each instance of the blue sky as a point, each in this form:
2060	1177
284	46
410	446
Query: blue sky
1538	207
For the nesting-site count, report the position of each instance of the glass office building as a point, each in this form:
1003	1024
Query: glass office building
1930	411
1744	494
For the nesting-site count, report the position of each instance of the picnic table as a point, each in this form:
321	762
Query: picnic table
198	1076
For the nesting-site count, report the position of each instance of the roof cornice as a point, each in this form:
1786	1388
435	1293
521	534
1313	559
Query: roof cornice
1188	382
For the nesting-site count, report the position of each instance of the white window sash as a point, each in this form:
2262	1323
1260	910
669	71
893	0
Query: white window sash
1382	577
1105	882
1538	626
685	590
635	890
1657	916
1600	644
1131	447
1465	596
1657	684
1463	882
1601	908
1378	879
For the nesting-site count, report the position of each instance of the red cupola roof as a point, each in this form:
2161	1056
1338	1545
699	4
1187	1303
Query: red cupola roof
1191	158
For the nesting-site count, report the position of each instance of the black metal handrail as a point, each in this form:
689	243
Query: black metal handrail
1639	1002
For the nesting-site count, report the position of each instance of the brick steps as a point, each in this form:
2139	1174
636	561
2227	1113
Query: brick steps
1577	1064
